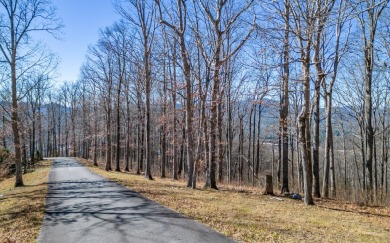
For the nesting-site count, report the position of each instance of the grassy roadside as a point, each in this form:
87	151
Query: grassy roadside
247	216
22	209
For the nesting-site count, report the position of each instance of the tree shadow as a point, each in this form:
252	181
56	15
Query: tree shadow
22	210
91	206
353	211
38	193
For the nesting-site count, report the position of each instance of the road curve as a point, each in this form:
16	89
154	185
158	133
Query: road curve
84	207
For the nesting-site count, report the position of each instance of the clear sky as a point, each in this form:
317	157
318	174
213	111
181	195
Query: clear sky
82	20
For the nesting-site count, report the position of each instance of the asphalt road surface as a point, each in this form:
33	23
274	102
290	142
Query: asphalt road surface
84	207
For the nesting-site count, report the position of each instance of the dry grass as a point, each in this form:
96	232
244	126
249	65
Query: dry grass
22	209
247	216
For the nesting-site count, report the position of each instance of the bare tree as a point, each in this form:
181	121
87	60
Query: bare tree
144	20
100	70
119	44
179	29
323	10
304	20
220	24
284	100
21	18
369	13
339	48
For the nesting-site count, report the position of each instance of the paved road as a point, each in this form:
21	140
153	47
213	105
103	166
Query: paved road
84	207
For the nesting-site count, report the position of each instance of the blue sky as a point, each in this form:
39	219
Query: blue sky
82	20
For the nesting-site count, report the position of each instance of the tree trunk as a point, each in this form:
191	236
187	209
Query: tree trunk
229	132
140	134
189	113
108	134
95	137
253	146
128	133
241	151
174	152
118	128
148	142
285	99
210	175
316	140
182	147
15	117
332	164
325	184
32	148
258	161
220	142
24	154
269	188
250	136
304	132
163	152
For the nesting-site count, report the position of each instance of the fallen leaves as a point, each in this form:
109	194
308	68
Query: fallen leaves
245	215
22	209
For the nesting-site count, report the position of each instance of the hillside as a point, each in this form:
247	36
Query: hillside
246	215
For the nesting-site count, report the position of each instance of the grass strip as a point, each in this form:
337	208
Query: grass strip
246	215
22	209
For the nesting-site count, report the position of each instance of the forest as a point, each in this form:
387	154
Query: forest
213	92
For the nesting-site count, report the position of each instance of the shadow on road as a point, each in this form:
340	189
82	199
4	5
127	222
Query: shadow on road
83	203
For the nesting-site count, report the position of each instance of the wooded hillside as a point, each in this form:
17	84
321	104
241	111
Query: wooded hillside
212	91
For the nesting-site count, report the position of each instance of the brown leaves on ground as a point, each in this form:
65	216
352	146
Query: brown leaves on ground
246	215
22	209
6	164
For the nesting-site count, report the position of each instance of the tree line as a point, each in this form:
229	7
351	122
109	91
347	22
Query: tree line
212	91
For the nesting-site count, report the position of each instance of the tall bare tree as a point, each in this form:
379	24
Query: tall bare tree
20	19
284	101
179	29
369	13
323	10
220	24
303	13
142	14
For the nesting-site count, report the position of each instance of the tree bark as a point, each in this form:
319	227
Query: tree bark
118	126
304	132
285	99
148	80
108	131
269	188
15	109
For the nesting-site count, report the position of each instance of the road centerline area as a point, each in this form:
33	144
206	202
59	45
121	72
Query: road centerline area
84	207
